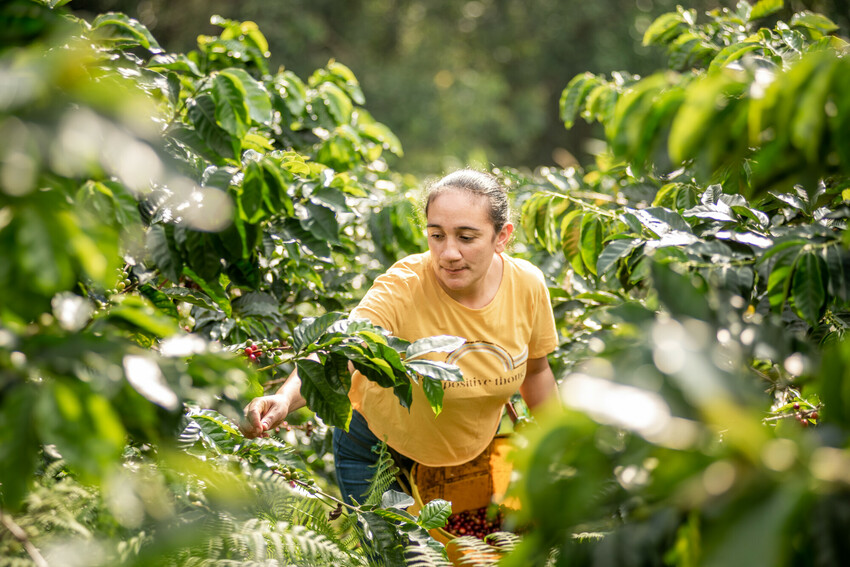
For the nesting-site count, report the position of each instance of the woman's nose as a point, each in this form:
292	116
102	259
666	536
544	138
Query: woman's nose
451	250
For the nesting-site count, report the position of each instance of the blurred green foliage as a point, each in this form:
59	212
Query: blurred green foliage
459	82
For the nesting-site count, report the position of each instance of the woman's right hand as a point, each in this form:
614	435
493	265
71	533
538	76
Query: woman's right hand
264	414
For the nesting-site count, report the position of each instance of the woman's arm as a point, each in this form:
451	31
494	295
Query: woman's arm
539	384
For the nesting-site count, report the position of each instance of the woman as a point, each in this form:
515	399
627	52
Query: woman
465	286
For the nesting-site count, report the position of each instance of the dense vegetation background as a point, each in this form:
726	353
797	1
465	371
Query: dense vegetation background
180	226
458	82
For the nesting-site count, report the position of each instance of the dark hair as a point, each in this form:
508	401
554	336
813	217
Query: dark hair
475	182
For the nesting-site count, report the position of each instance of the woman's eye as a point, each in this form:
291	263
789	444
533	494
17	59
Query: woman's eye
467	238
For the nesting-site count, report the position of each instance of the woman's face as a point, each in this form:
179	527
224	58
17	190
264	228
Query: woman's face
463	241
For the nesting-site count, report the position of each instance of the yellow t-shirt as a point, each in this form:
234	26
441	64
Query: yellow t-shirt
516	325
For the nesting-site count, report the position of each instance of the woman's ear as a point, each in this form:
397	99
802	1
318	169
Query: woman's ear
503	237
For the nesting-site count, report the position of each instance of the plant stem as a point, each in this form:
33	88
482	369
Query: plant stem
19	534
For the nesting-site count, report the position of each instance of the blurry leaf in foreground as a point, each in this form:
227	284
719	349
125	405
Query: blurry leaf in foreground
146	377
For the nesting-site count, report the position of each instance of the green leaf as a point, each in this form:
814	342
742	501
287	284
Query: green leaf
434	392
256	304
435	514
386	539
213	289
837	271
698	114
292	91
202	255
613	253
83	425
256	96
809	120
174	62
349	82
192	297
123	31
111	201
439	343
395	515
325	391
814	21
160	300
139	313
166	258
202	114
18	443
436	370
231	110
571	239
253	194
764	8
664	28
780	278
40	253
321	222
381	134
591	241
337	102
733	52
682	294
574	96
311	328
399	500
808	288
755	534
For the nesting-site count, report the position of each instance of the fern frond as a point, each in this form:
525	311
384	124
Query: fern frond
385	473
506	541
424	556
476	553
290	544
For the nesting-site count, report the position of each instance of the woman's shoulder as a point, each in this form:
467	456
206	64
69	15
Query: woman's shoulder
408	268
524	270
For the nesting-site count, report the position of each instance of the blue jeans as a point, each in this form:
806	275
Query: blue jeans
355	461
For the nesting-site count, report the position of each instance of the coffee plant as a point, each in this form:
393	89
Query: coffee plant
699	272
159	211
179	231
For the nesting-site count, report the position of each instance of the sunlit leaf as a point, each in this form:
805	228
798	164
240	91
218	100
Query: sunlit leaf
764	8
591	242
256	97
440	343
311	329
124	31
160	300
813	21
434	514
574	96
231	110
337	102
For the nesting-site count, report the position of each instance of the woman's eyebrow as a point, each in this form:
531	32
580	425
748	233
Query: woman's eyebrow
469	228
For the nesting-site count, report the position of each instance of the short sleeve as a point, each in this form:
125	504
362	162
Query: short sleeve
544	335
377	306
